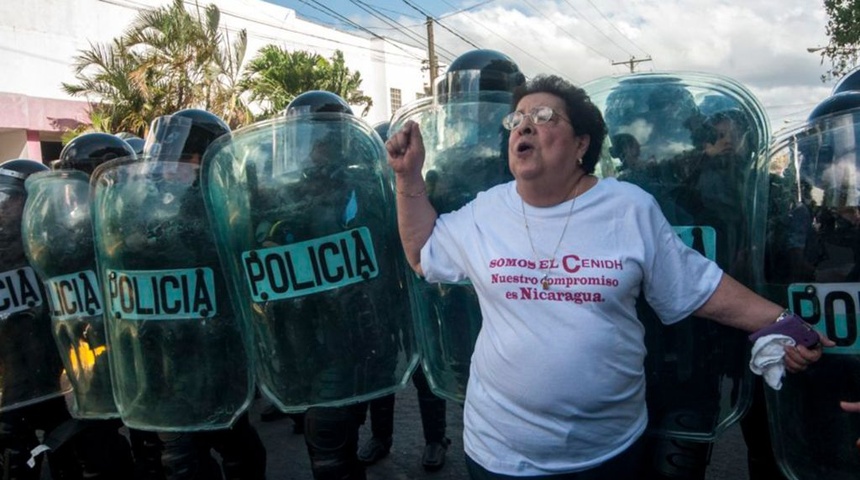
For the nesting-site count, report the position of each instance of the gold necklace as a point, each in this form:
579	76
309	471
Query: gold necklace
544	281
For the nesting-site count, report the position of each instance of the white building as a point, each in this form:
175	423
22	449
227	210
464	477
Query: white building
40	38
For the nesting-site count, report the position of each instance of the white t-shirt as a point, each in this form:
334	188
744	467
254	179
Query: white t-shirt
557	380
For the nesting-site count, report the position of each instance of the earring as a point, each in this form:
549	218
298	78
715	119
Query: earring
579	161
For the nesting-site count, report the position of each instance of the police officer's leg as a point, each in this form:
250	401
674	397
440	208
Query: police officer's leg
186	456
243	456
16	440
331	435
671	459
103	452
760	460
146	448
433	421
47	416
382	428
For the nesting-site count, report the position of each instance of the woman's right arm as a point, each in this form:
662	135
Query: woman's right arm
416	217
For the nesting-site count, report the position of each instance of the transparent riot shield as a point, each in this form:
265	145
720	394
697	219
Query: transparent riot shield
304	215
58	241
30	367
466	153
695	142
813	266
177	350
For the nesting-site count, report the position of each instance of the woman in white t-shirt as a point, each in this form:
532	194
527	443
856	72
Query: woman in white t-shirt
558	258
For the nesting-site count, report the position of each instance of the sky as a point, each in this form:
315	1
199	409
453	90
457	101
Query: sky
763	44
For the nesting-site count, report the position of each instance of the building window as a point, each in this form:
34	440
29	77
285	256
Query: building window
420	95
396	99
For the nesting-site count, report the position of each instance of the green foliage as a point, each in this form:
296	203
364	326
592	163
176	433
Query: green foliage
171	58
275	76
843	28
107	77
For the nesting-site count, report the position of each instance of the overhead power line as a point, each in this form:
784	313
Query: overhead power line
577	40
464	10
584	18
525	52
398	26
387	21
334	14
436	20
134	5
635	45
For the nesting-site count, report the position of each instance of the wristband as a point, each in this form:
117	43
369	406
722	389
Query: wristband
792	325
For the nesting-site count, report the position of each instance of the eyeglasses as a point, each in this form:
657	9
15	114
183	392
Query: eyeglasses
538	116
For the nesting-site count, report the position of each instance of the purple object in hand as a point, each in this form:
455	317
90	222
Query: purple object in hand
793	326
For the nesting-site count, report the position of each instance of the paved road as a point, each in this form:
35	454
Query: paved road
288	460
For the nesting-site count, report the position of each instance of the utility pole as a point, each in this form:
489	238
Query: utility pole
431	51
632	62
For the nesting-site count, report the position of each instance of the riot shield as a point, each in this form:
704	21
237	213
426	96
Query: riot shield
304	215
696	143
813	266
178	353
466	153
30	367
58	241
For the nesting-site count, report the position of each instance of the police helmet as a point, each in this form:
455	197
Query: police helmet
318	101
381	129
205	128
88	151
850	82
184	135
480	71
838	103
14	172
136	143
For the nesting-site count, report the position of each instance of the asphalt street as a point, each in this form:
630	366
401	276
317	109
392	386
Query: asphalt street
288	459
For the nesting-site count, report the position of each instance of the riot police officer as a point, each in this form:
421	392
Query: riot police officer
103	451
331	433
186	455
812	247
31	391
431	407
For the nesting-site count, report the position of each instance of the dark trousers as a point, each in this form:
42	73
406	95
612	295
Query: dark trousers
623	466
432	408
186	455
331	436
18	436
760	460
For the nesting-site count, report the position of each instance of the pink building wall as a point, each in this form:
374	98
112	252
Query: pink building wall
40	114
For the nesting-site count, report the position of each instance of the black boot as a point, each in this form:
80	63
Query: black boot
382	427
434	423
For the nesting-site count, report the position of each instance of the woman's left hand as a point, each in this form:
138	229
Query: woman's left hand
798	358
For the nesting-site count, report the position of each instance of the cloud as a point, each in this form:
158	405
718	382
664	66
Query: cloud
759	43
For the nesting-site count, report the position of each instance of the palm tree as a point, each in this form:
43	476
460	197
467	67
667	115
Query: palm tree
275	76
340	81
118	102
170	58
225	91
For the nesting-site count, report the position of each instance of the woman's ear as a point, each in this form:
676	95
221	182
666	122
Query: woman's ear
584	142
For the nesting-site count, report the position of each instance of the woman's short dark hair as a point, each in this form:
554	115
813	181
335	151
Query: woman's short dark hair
584	116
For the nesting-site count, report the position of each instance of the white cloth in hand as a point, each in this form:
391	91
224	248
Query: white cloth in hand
768	358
